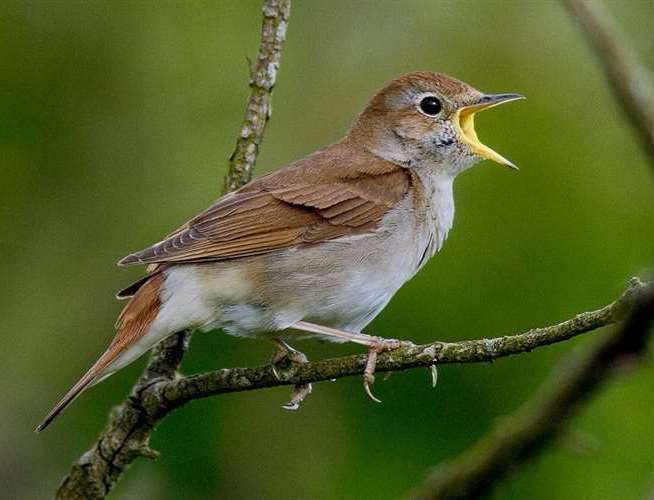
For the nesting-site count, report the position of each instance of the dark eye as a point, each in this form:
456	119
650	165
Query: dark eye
430	106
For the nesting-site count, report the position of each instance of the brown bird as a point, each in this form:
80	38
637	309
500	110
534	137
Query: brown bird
319	247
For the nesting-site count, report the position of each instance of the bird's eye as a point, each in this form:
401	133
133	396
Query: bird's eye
430	106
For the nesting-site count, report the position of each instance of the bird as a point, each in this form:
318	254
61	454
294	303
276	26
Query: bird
319	247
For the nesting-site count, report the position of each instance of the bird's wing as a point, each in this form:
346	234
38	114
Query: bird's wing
317	199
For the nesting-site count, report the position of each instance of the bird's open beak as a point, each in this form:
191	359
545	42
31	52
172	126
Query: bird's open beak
464	120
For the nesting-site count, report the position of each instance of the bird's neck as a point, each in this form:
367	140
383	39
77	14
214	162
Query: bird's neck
434	200
433	181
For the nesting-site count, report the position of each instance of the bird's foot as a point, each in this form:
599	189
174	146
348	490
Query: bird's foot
376	347
298	393
285	357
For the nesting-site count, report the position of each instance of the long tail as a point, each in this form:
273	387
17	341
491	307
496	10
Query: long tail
132	325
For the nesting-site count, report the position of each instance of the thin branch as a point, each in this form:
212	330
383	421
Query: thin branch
521	436
177	392
631	82
263	75
127	433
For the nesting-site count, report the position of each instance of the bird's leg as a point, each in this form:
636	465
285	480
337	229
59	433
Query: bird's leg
283	355
375	345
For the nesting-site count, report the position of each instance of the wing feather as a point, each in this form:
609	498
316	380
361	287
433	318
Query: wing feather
330	194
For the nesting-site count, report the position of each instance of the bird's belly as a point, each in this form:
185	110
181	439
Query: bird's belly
346	297
345	283
351	303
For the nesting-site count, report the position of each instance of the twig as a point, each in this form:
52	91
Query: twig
127	433
631	82
517	438
263	75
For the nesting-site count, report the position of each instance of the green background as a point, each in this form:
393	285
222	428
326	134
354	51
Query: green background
116	119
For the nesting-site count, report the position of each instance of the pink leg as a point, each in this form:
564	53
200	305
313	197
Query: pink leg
375	346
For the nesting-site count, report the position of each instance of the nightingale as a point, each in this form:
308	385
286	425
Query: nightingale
319	247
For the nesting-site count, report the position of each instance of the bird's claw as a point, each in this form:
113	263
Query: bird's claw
434	375
368	380
274	371
298	394
379	346
283	358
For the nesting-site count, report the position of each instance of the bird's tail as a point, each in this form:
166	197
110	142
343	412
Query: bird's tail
130	342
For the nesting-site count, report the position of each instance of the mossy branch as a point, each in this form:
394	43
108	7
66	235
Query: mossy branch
263	75
130	426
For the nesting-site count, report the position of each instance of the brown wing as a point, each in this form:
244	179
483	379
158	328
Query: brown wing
330	194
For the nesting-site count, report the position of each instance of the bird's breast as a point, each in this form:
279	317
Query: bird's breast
433	205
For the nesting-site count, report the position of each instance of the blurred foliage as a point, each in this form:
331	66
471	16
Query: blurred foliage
116	119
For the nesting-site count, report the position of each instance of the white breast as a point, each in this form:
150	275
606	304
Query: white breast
439	209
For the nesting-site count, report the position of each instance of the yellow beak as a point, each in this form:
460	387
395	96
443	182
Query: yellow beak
464	120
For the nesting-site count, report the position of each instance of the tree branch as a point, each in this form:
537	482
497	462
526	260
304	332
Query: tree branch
263	75
631	82
519	437
127	433
176	392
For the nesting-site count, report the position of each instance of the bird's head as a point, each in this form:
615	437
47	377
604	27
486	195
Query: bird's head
427	119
